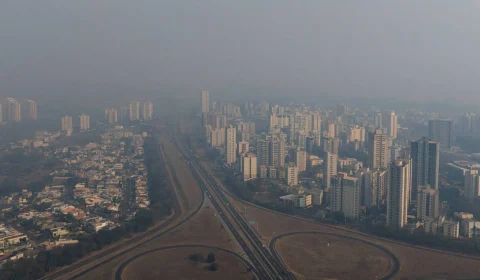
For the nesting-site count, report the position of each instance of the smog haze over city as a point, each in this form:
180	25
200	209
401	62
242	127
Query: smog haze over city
275	140
406	50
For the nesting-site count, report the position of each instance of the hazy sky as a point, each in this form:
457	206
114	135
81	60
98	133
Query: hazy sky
402	49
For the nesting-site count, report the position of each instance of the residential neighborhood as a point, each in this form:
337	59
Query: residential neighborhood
92	187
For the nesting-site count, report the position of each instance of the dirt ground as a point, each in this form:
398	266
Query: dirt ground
189	193
312	256
203	229
415	262
176	264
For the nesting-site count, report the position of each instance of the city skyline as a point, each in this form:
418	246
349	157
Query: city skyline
239	140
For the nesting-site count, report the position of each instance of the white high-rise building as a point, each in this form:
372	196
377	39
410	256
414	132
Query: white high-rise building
216	136
377	150
14	111
427	202
134	111
292	174
147	111
31	113
124	113
276	152
374	185
301	159
398	197
84	122
390	123
248	166
451	229
262	152
345	195
205	101
356	133
331	130
273	122
67	123
377	120
472	185
316	122
230	144
243	147
330	163
111	115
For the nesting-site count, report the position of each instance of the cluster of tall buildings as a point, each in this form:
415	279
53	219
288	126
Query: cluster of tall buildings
405	181
392	174
67	123
14	110
135	111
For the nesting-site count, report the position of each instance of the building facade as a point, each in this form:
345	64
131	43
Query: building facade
230	144
134	111
425	156
428	204
377	150
147	112
205	100
67	123
472	185
398	197
330	163
84	122
31	113
344	195
248	166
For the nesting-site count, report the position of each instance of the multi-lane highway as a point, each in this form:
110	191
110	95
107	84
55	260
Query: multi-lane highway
267	266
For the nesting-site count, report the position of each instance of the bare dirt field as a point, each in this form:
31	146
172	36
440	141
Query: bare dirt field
205	229
176	264
188	191
415	262
312	256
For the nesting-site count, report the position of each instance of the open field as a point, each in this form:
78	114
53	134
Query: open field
204	229
415	262
188	192
175	263
311	256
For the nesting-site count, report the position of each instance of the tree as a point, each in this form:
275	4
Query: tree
339	216
143	219
213	267
211	258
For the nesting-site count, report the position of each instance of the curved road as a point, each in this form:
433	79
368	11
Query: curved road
146	237
121	268
393	271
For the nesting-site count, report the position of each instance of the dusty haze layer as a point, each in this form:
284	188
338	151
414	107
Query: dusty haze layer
402	50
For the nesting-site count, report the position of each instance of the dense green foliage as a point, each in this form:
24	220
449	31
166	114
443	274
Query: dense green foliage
211	258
